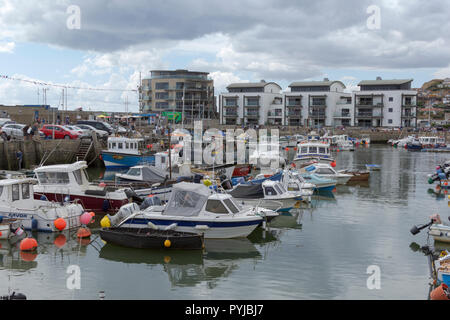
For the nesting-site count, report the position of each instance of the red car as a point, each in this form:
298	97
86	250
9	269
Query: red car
60	132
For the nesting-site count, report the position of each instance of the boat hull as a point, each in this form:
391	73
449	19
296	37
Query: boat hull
123	160
440	233
215	229
90	203
146	238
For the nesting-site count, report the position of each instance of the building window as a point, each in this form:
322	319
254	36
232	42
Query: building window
391	99
390	121
161	85
391	110
162	105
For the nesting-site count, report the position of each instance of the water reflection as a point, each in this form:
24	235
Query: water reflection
187	268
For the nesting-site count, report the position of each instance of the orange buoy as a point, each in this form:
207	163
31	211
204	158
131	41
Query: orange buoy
333	164
440	293
60	241
83	233
60	224
28	244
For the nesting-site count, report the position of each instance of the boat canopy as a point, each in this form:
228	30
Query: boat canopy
245	191
62	167
148	173
187	199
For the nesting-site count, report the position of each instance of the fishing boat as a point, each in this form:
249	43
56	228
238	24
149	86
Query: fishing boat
17	202
69	182
269	194
193	208
342	143
151	238
124	152
326	171
308	151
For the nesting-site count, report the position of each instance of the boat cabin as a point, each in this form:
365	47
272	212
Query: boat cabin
73	175
431	140
273	189
313	149
12	190
125	145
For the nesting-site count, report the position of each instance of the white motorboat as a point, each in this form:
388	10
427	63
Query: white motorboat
324	170
269	194
17	202
342	143
309	151
440	232
59	182
193	208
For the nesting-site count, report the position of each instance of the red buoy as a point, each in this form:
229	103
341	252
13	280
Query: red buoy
83	233
60	241
60	224
28	244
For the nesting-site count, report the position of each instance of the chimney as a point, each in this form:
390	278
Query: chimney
263	81
378	78
326	79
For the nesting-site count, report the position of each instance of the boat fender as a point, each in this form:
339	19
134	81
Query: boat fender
170	227
167	243
44	198
105	222
34	224
201	227
440	293
105	206
153	226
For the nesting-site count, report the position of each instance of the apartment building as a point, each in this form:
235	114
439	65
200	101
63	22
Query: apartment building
178	91
385	103
318	104
257	103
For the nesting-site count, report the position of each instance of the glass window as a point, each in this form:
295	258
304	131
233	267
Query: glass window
53	177
304	149
325	171
1	190
216	206
25	191
120	145
127	145
321	150
312	149
15	192
113	145
231	205
269	191
277	187
134	172
77	174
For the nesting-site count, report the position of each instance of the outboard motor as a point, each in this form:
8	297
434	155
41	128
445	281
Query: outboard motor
125	211
150	201
227	185
131	194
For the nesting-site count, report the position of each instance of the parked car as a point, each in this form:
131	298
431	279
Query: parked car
4	121
14	130
84	133
100	133
97	125
60	132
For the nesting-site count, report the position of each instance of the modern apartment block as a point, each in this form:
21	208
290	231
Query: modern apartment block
178	90
318	104
257	103
385	103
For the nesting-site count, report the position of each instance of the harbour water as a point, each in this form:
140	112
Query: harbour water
322	251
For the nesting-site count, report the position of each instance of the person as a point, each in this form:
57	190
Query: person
437	219
4	135
19	156
34	130
25	132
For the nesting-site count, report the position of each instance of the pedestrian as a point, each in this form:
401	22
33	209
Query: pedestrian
19	156
25	132
4	135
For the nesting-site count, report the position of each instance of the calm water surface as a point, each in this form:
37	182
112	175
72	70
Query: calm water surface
320	252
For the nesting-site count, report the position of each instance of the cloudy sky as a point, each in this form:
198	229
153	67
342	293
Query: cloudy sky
236	41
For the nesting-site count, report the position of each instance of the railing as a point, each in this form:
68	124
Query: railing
342	115
372	105
274	114
368	114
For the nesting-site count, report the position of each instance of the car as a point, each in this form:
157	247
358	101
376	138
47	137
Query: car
100	133
4	121
59	132
84	133
99	125
14	130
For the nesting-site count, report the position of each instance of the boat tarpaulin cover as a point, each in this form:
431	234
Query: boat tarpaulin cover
187	199
245	191
152	174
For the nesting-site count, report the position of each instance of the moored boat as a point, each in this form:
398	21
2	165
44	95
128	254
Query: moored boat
149	238
357	175
126	152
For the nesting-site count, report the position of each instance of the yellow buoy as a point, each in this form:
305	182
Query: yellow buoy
167	259
105	222
167	243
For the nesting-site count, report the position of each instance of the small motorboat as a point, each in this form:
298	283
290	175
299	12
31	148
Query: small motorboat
325	170
321	184
149	238
373	167
357	175
10	228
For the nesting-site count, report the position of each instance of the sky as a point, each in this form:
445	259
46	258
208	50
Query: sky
109	45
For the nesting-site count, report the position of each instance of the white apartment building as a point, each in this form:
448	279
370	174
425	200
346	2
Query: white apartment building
259	103
385	103
318	104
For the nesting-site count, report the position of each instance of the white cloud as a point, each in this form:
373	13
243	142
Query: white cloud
7	47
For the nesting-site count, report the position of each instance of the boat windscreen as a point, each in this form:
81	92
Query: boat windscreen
185	203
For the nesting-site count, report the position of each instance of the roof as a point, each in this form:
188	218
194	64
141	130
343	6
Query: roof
314	83
250	85
8	182
384	82
62	167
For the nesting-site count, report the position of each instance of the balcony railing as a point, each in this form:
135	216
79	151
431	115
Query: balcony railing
252	106
342	115
317	115
368	115
408	115
369	104
274	114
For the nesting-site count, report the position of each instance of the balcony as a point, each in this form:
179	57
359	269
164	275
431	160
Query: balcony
409	105
346	115
274	114
230	106
369	104
231	114
252	114
317	115
294	115
408	115
254	106
368	115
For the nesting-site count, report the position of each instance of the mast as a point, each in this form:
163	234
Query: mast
170	153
